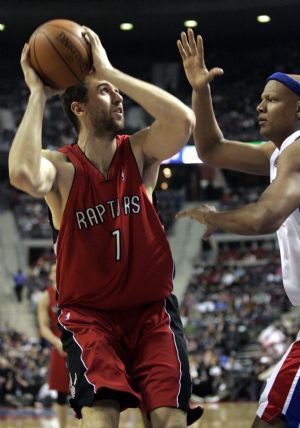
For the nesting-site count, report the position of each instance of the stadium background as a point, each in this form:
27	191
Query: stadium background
237	319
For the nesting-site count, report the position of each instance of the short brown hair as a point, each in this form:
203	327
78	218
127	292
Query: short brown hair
74	93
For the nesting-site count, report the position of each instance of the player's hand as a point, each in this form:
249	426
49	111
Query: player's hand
59	347
192	55
100	59
201	215
32	80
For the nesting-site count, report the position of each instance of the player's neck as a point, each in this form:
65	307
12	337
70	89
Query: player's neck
99	151
279	139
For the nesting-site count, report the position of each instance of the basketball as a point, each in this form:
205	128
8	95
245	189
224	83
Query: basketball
59	53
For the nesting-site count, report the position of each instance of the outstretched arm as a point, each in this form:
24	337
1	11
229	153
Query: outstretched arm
266	215
174	121
210	143
28	169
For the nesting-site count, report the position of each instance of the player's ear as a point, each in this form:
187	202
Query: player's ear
77	108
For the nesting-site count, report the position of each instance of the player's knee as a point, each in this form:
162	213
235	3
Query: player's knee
96	420
165	417
101	415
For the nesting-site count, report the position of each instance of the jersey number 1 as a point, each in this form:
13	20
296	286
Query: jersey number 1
116	234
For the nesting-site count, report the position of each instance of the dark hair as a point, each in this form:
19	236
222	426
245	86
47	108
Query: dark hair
74	93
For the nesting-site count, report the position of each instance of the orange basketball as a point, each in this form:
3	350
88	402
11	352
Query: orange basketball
60	54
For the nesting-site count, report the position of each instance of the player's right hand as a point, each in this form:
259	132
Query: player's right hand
32	80
59	347
192	55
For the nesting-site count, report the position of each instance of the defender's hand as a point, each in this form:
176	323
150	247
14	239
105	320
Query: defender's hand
192	55
200	214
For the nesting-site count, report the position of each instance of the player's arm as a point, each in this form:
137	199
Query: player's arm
29	170
266	215
174	121
44	322
43	319
211	145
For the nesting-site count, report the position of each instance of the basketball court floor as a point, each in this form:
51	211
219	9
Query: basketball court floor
219	415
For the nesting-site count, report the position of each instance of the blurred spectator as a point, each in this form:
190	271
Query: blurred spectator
273	341
19	283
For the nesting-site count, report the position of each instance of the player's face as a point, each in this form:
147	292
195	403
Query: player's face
104	108
277	112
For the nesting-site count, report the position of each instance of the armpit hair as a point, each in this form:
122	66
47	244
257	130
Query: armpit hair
149	161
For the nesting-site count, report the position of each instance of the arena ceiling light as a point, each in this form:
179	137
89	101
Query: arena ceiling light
263	19
190	23
2	27
126	26
167	172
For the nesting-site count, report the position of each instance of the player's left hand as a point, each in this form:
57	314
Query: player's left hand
200	214
100	59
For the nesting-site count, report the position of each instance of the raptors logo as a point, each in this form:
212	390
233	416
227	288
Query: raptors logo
127	205
72	385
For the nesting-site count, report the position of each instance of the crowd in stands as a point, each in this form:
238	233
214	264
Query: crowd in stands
23	369
32	217
36	279
24	360
232	312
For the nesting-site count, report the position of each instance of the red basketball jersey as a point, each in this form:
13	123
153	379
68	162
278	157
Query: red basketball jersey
112	251
52	312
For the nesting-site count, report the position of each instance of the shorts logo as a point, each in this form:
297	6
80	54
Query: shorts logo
72	385
68	316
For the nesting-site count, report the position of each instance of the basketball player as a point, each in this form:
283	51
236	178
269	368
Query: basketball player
114	265
277	209
58	373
